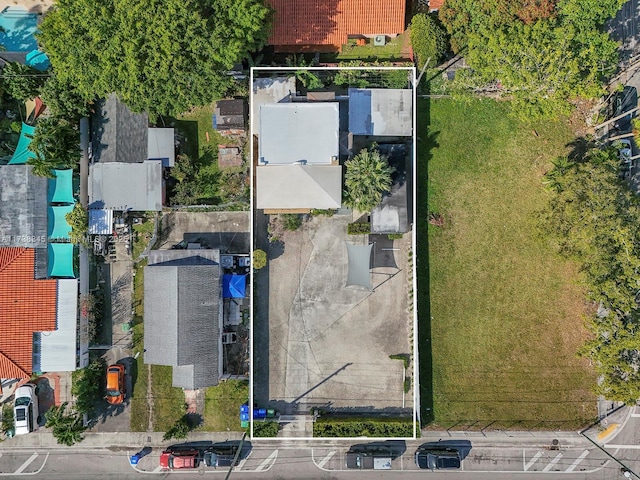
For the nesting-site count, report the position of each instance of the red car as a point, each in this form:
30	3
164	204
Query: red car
183	459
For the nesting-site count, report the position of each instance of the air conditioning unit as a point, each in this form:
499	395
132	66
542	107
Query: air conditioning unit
379	40
229	337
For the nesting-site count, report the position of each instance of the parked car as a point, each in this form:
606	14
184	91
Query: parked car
177	460
221	454
25	410
625	153
623	101
368	457
437	458
115	384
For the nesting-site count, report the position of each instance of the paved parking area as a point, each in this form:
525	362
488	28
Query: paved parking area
329	345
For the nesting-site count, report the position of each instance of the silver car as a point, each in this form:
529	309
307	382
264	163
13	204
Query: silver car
25	410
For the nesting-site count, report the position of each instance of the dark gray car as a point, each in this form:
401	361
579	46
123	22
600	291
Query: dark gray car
438	458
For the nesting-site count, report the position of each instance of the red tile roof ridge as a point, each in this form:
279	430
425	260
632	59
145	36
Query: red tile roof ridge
8	255
9	369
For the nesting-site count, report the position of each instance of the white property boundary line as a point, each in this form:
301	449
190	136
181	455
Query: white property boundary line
414	286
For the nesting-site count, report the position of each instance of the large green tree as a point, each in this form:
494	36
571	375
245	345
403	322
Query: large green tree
367	178
67	428
428	39
21	81
56	144
160	56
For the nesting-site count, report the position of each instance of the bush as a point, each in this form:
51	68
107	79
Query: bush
362	427
87	385
291	221
394	236
317	212
358	228
428	39
259	259
401	356
266	429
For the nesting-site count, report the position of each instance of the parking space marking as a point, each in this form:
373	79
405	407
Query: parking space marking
267	462
324	461
530	463
240	464
158	469
26	464
575	463
552	463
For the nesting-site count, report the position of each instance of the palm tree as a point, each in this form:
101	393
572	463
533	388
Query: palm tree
67	429
367	178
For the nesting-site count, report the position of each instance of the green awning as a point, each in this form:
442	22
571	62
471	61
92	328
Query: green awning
58	227
61	187
60	260
22	153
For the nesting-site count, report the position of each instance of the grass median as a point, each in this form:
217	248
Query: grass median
506	311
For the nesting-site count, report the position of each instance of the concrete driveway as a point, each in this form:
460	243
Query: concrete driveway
329	345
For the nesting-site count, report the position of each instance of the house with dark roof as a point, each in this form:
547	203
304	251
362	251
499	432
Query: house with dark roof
37	318
127	158
183	314
325	26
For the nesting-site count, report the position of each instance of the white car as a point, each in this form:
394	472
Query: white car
25	410
625	152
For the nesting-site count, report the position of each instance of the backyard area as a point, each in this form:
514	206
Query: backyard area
506	312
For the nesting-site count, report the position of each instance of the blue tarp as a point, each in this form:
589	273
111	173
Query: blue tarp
60	260
22	153
234	286
61	187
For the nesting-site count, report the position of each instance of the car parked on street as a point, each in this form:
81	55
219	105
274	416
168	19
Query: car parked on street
115	384
25	410
178	460
221	454
625	152
437	458
621	102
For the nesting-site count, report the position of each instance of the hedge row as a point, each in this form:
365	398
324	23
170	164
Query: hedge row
358	228
362	427
265	429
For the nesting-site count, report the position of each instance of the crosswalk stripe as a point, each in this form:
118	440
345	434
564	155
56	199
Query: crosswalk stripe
575	463
528	465
324	461
26	464
552	463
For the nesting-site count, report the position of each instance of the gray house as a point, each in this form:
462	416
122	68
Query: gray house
182	314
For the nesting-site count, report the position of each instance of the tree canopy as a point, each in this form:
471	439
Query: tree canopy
596	220
541	53
160	56
56	144
428	39
367	178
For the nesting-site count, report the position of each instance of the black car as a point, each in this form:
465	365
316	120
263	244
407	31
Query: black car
438	458
621	102
221	455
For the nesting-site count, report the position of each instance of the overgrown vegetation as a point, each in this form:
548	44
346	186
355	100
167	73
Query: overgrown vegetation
540	54
428	39
359	228
367	178
21	81
78	220
67	428
367	78
506	311
222	405
595	218
267	428
56	144
87	386
7	419
362	427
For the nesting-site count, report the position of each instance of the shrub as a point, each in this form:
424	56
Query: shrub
367	178
401	356
362	427
291	221
87	385
428	39
317	212
266	429
394	236
259	259
358	228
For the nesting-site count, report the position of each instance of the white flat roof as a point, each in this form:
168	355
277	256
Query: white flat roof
299	132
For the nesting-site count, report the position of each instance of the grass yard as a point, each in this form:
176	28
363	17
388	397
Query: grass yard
505	310
392	50
222	405
196	124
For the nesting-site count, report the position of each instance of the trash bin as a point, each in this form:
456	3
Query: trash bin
133	460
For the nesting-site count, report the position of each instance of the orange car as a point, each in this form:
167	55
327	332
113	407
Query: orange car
115	384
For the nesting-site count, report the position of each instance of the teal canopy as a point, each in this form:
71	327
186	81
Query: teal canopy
59	228
60	260
38	60
61	187
22	153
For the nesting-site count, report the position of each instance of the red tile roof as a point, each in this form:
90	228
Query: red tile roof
330	22
435	5
27	305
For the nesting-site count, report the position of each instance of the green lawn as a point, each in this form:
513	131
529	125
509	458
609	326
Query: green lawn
196	124
505	310
390	51
142	235
222	405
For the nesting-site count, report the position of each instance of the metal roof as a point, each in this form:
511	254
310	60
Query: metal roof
58	348
299	186
162	145
380	111
299	132
23	207
100	221
126	186
118	134
182	320
391	214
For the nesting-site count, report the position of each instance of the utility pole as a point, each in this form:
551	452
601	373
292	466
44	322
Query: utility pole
235	458
623	468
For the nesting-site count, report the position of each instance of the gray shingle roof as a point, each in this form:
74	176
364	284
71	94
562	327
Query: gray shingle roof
182	320
23	207
118	134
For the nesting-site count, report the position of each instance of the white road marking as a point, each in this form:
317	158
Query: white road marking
267	462
324	461
240	464
552	463
158	469
575	463
529	464
26	464
632	447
